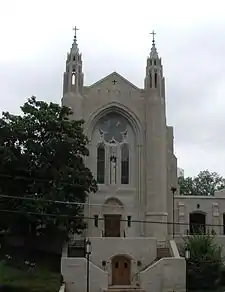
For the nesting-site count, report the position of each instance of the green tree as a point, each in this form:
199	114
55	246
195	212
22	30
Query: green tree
186	185
205	266
42	156
204	184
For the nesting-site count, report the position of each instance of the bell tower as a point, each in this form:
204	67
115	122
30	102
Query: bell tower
154	80
73	79
156	145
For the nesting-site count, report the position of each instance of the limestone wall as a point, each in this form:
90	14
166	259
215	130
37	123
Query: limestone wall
212	207
74	271
168	274
138	249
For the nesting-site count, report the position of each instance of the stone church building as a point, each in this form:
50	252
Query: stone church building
131	218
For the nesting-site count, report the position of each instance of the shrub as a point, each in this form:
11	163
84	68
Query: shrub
205	266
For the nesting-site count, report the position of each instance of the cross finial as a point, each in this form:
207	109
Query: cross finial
75	32
153	37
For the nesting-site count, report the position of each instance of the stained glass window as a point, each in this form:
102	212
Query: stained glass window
113	128
124	164
113	153
101	164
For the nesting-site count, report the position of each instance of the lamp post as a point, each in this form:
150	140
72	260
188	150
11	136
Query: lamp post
173	190
88	252
187	257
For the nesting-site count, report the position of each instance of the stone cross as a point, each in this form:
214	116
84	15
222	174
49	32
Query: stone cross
75	31
153	36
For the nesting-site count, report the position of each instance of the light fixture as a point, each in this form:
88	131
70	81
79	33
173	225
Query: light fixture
187	254
88	246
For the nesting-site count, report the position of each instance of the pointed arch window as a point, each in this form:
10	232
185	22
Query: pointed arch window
73	78
124	164
114	139
150	77
156	79
101	164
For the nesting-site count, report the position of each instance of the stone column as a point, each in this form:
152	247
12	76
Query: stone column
140	188
182	227
215	219
156	168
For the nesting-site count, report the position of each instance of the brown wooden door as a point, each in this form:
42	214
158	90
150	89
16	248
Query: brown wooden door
121	269
112	225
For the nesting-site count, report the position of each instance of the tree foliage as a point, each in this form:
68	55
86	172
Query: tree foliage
205	266
204	184
42	156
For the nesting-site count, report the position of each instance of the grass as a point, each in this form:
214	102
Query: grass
25	268
28	280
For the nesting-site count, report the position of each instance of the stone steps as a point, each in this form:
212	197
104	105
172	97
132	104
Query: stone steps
124	289
162	252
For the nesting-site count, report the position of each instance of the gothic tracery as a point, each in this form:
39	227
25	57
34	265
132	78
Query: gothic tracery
113	155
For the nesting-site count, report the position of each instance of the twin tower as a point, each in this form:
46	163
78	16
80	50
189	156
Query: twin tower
74	76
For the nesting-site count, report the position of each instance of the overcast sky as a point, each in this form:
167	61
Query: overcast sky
114	36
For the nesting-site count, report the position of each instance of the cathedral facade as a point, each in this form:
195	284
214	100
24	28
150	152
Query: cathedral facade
133	161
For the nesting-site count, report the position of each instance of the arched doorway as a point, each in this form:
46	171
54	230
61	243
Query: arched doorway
113	210
121	270
197	221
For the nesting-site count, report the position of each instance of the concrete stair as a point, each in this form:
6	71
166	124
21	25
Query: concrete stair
124	289
163	252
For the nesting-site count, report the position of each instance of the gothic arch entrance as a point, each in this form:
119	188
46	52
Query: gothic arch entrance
197	221
121	270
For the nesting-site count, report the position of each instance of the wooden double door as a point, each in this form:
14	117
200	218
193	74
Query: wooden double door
112	225
121	270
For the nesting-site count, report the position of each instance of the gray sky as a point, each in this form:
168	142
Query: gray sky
114	36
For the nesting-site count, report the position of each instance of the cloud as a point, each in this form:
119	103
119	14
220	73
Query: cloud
36	35
196	100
